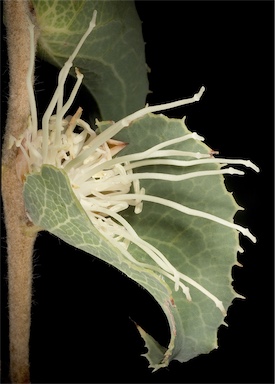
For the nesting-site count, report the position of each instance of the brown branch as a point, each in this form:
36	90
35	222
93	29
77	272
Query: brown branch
21	234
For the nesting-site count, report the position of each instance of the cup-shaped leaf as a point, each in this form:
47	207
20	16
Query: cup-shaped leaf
202	250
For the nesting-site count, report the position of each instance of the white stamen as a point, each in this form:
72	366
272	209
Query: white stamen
60	114
188	211
59	90
117	127
188	163
151	152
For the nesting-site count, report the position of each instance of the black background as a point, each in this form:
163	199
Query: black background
81	330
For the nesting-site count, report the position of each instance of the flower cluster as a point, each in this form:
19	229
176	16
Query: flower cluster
106	184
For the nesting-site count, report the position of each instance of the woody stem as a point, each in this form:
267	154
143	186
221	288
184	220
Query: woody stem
21	234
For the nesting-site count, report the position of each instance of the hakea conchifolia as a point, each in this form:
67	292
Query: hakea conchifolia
106	184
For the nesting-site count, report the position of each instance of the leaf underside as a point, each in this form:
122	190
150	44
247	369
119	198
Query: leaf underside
112	58
199	248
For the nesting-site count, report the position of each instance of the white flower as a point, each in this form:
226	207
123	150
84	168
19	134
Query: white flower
106	185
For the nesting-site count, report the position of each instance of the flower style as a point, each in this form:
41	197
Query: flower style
106	184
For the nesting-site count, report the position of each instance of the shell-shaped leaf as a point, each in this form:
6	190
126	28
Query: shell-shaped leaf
201	249
113	56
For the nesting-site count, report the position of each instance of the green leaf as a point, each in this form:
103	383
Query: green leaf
112	58
201	249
